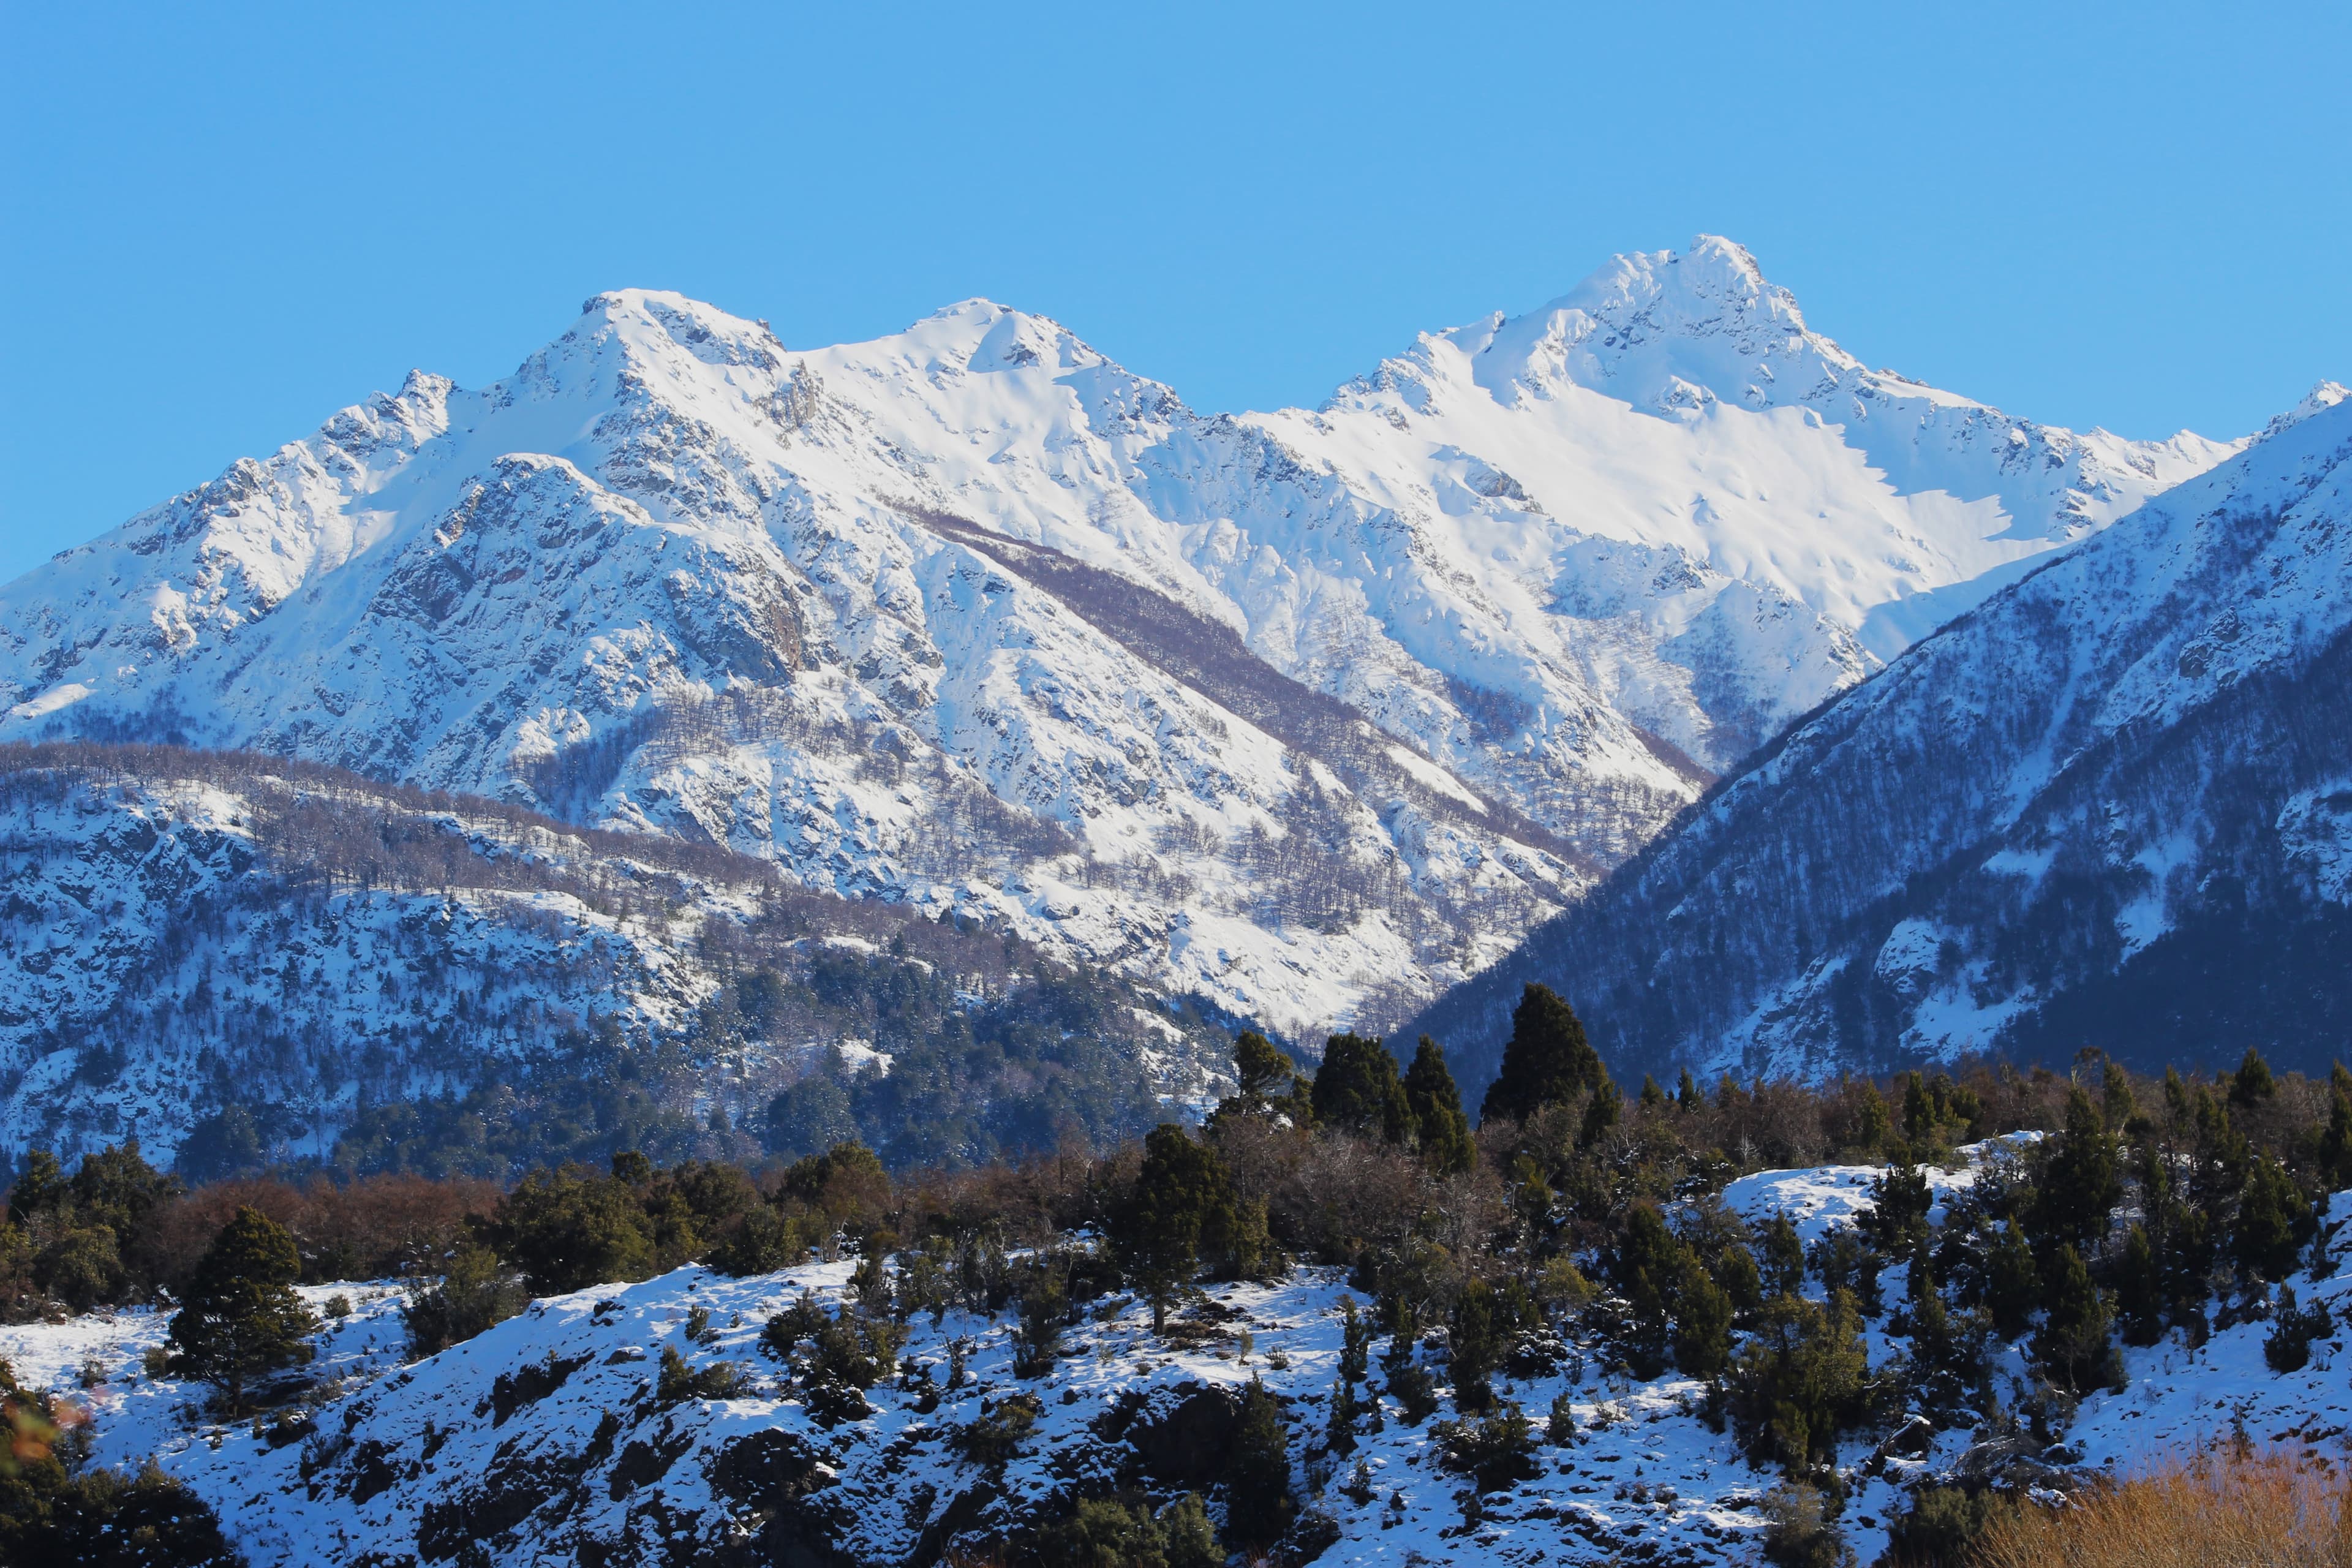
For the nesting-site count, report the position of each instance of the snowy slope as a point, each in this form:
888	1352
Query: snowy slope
1549	561
2111	807
181	935
542	1440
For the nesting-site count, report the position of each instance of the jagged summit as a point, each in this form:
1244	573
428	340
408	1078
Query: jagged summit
1659	329
1547	572
2325	395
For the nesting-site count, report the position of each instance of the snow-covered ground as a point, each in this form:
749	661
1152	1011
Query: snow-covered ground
544	1435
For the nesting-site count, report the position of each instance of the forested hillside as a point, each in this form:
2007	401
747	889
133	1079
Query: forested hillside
1927	1321
246	962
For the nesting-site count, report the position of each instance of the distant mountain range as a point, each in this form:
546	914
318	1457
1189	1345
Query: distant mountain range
1307	714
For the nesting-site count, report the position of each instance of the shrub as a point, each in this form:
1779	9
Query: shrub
474	1292
1800	1531
2293	1328
1496	1452
103	1517
996	1434
680	1382
1942	1527
1123	1532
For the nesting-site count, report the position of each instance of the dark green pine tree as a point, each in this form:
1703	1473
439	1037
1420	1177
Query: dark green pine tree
2012	1284
1340	1435
1182	1203
1548	1060
1653	1096
1437	1107
1357	1090
1702	1321
1355	1362
2082	1182
2116	1099
2272	1220
1258	1505
1602	1112
1648	1268
1687	1095
1474	1344
242	1319
2253	1083
2139	1290
1783	1261
1270	1085
2073	1342
1355	1342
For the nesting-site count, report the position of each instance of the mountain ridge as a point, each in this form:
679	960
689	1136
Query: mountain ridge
666	508
2019	837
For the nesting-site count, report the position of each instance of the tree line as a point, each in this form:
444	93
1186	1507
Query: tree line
1577	1223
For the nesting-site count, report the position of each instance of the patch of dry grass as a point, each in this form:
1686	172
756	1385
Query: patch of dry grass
2227	1511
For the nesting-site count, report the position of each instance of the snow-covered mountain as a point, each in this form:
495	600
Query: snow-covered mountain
236	960
2111	808
1310	714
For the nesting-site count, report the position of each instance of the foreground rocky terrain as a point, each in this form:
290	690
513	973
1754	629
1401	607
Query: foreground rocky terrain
550	1438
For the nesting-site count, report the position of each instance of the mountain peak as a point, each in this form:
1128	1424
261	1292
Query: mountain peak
2318	400
1662	330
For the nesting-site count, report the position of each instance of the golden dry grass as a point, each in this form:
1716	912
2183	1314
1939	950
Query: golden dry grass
2251	1510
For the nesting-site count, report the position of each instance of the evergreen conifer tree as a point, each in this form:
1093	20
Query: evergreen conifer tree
1602	1112
242	1318
1476	1346
1437	1107
2012	1284
2139	1290
1258	1505
1270	1085
2272	1220
1687	1094
2116	1099
1547	1062
2253	1083
2082	1182
1355	1342
567	1230
1181	1203
1783	1261
2073	1342
1357	1090
1702	1321
1340	1433
1648	1268
2336	1143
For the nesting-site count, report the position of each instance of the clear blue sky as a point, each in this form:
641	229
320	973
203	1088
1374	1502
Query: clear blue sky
224	222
